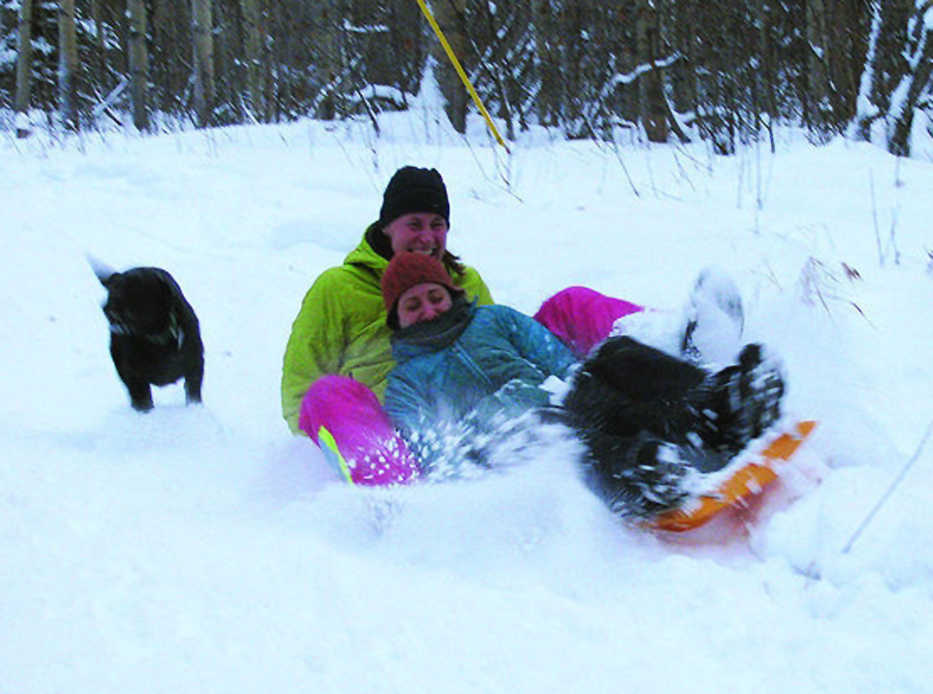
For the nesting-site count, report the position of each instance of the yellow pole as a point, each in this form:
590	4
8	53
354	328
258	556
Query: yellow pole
460	71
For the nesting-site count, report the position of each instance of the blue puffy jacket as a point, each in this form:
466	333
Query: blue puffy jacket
493	367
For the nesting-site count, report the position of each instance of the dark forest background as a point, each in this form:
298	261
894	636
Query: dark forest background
725	71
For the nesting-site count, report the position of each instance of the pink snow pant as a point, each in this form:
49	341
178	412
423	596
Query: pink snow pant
344	417
582	317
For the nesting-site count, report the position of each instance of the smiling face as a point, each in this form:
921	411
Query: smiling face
418	232
423	302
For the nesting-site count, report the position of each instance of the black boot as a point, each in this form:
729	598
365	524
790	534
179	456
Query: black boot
738	403
714	319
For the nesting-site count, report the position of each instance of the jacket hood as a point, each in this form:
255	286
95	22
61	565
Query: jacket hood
364	255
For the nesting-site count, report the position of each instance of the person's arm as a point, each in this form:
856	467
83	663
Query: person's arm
544	352
315	346
416	418
537	344
513	399
404	405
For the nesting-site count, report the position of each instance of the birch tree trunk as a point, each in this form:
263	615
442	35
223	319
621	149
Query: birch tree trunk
886	65
23	67
203	54
67	64
915	84
868	110
139	63
449	15
252	50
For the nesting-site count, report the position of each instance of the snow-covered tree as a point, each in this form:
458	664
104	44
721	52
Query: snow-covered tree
914	92
896	82
723	71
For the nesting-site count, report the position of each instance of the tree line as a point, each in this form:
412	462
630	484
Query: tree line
725	71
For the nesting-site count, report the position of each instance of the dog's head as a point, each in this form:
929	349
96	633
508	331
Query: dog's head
139	303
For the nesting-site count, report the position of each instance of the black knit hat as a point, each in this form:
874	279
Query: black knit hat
414	190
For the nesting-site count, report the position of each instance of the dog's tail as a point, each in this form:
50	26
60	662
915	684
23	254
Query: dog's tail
100	268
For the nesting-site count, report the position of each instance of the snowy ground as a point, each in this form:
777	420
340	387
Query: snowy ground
206	550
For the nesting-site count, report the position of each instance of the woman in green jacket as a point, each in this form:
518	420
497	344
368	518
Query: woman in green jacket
338	351
341	328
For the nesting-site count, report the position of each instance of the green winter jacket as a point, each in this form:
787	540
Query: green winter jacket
341	328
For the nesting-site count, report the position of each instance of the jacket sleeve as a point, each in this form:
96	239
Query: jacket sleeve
511	400
543	351
536	343
404	405
446	447
416	419
315	346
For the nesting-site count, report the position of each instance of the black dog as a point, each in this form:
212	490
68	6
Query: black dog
155	338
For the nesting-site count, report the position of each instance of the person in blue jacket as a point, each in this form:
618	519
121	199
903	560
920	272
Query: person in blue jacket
646	418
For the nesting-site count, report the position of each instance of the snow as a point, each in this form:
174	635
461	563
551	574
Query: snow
205	549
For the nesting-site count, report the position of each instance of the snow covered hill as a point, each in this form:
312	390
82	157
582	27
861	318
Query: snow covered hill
207	550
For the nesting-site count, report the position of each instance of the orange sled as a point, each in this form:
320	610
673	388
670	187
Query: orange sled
748	480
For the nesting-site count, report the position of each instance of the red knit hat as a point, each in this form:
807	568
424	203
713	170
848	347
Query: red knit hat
407	270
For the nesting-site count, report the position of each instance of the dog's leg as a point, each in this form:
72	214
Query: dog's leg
194	374
140	395
193	386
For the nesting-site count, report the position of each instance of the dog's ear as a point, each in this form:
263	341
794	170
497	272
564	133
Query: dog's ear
103	272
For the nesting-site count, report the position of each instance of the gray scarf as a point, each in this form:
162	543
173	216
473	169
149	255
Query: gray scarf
439	332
